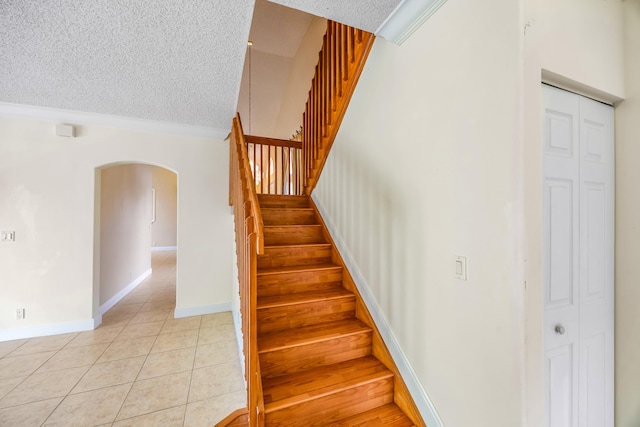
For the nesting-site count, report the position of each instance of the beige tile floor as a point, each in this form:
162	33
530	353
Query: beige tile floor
141	367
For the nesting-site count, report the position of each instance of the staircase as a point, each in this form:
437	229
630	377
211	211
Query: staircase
316	355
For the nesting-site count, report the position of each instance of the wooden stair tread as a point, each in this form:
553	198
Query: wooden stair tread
284	201
289	227
294	337
303	297
294	389
298	268
384	416
298	245
279	209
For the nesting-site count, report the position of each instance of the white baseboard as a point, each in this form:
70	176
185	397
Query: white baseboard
46	330
420	397
237	323
163	248
201	309
123	293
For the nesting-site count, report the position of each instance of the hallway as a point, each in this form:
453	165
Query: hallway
141	367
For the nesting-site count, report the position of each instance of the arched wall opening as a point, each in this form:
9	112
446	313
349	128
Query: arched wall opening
135	214
50	188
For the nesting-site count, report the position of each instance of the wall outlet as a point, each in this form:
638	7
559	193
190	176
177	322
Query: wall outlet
19	313
7	236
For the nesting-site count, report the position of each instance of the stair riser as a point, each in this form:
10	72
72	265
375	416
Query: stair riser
334	407
283	201
293	316
297	359
288	217
293	235
286	283
292	256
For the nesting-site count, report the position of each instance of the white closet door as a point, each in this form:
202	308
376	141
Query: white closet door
578	203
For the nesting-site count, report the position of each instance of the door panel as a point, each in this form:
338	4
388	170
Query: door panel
561	401
578	201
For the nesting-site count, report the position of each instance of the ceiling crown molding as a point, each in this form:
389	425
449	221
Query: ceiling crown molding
407	17
105	120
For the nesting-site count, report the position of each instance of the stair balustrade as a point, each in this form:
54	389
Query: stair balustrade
249	244
341	61
276	165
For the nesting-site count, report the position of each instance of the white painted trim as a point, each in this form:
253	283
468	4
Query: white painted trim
237	324
46	330
96	119
424	404
97	321
123	293
406	18
163	248
562	82
201	309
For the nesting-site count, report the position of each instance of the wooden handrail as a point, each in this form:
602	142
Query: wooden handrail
341	61
276	165
249	244
275	142
241	145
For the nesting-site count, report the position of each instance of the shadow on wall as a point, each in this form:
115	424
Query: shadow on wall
383	232
135	206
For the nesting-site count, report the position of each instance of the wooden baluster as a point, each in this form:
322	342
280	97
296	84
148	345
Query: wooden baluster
339	62
352	45
254	164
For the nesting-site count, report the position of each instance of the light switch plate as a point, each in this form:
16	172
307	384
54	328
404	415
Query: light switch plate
7	236
460	267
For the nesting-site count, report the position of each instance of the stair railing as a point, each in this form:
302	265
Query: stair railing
249	244
276	165
341	61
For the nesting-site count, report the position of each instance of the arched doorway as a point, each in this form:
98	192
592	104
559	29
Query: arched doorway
135	211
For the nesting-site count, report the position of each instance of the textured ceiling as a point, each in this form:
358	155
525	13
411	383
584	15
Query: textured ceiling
177	61
366	15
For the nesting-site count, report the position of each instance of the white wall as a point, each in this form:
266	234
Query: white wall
421	171
628	229
47	186
125	227
300	76
163	230
578	45
278	86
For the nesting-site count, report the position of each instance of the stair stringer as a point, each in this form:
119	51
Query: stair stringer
410	396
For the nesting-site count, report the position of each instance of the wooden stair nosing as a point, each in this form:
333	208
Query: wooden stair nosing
389	415
296	253
303	298
295	269
306	335
335	406
323	381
